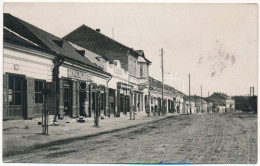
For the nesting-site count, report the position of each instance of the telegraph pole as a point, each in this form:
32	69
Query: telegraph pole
162	80
189	93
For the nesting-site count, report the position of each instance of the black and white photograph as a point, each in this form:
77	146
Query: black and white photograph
129	83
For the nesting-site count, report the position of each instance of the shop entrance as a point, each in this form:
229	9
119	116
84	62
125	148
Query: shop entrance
83	104
111	102
67	97
127	104
121	103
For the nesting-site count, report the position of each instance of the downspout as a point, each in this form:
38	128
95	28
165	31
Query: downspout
109	80
57	63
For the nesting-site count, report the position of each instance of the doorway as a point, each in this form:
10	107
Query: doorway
15	96
83	99
111	101
67	97
127	104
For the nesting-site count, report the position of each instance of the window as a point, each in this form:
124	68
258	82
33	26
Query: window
141	70
15	90
39	85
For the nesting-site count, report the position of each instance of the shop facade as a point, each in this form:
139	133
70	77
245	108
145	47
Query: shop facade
82	91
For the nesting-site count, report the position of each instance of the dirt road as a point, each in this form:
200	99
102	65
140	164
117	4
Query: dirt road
204	138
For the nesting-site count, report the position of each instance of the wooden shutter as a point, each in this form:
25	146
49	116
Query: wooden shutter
30	97
75	100
61	102
5	96
50	103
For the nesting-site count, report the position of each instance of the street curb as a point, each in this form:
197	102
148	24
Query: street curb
26	150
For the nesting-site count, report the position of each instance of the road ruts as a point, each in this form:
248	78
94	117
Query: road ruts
196	138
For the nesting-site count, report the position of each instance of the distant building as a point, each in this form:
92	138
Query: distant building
223	101
201	106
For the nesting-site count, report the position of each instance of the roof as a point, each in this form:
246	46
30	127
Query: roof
195	97
93	57
219	95
45	40
141	52
218	103
14	38
107	39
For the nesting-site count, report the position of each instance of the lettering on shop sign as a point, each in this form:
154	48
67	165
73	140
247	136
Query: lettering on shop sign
79	75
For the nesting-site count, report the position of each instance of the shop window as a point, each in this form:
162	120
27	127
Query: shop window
15	90
38	91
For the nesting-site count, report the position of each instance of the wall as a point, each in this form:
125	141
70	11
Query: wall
30	63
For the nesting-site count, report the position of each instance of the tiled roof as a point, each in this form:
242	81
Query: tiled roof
141	53
107	39
93	57
45	39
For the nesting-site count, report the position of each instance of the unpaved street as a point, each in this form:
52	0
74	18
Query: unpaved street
204	138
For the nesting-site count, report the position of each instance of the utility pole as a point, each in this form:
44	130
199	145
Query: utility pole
162	80
189	94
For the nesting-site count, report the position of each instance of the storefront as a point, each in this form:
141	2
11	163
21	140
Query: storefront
81	94
124	94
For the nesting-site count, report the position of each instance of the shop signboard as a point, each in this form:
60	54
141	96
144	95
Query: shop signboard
79	75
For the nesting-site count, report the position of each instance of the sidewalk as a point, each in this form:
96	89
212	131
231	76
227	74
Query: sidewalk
20	135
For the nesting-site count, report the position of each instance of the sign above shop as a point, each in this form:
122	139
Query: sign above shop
79	75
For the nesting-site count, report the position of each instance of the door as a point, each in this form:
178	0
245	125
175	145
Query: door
15	96
66	102
121	103
127	104
39	98
50	98
83	99
93	103
111	101
75	100
31	98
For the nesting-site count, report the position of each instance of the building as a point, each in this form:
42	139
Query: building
188	105
201	106
130	90
36	61
173	99
223	100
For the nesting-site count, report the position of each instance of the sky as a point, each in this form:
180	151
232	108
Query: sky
216	43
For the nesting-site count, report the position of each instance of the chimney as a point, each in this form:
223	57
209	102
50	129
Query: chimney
98	30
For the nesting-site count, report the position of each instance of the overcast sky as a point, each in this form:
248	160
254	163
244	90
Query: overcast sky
215	43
